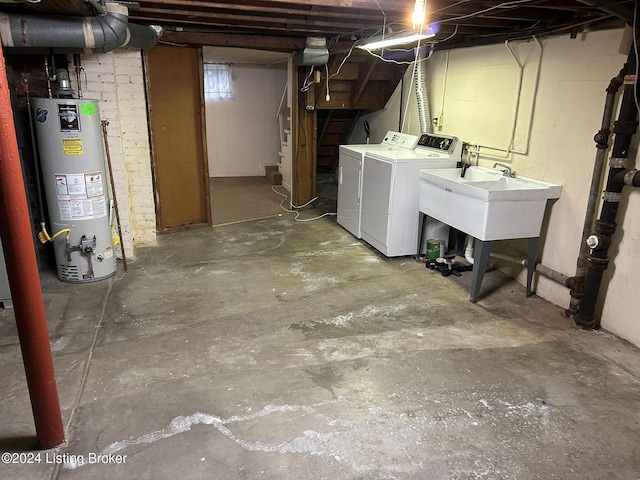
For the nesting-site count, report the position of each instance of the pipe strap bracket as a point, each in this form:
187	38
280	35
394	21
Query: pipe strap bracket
618	162
596	264
625	127
605	228
612	197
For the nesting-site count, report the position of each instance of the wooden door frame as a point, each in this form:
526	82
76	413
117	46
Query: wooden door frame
205	157
203	135
304	136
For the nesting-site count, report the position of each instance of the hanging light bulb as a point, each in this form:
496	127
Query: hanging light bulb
418	13
405	36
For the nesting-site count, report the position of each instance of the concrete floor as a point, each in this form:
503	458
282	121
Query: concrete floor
279	350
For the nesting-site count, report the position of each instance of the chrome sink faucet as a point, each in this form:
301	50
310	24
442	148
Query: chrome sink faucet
464	169
507	172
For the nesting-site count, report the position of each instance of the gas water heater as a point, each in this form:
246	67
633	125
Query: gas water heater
71	152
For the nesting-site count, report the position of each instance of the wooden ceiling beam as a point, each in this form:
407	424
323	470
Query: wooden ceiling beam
386	5
216	18
531	16
268	23
272	43
62	7
255	30
197	7
488	23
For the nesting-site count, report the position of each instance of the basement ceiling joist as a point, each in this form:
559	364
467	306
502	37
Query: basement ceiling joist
283	24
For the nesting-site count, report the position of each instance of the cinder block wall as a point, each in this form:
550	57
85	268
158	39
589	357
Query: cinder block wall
116	80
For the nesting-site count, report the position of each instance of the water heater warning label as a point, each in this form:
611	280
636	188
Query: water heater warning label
80	196
72	146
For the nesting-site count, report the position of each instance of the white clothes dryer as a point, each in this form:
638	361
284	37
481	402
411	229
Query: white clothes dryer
350	168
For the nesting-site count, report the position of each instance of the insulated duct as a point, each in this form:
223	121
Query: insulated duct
424	112
99	34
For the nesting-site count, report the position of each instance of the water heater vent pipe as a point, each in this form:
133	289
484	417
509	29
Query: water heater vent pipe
99	34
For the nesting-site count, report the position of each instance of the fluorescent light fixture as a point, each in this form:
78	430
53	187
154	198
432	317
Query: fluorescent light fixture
400	38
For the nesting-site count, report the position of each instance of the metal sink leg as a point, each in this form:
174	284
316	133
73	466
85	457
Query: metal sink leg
480	263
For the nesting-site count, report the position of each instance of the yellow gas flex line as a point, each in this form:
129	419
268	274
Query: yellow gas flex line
44	237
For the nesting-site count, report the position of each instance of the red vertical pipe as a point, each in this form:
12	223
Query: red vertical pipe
22	269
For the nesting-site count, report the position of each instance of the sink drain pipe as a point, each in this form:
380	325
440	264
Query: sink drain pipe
618	176
540	268
602	144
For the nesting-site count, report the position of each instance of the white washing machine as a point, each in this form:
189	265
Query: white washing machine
390	193
350	168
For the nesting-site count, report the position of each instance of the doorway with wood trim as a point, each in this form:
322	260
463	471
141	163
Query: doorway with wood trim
179	154
246	102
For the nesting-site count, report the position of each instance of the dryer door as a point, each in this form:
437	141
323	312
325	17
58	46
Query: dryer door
349	190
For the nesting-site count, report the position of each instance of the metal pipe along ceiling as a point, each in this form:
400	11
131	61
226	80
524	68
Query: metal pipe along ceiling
99	34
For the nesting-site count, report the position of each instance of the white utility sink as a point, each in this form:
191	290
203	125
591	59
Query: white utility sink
485	203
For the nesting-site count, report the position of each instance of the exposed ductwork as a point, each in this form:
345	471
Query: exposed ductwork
315	52
424	112
99	34
142	36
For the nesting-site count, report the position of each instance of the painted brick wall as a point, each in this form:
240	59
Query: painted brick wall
116	80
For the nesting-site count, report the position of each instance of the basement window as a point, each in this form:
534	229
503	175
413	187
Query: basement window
217	81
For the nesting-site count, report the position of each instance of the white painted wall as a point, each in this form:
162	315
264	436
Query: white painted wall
243	134
477	104
116	80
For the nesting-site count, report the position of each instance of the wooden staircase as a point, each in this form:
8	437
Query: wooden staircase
334	129
358	83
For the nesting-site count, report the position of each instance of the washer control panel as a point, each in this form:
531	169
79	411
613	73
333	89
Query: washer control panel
443	143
